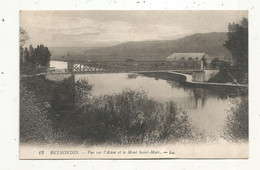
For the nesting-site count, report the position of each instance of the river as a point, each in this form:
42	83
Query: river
206	108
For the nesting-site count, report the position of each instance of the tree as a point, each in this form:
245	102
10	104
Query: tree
237	42
31	55
21	55
47	57
38	56
23	37
26	56
42	55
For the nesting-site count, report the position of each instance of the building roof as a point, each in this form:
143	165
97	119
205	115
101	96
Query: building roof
187	56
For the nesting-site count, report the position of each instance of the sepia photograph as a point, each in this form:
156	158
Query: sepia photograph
133	84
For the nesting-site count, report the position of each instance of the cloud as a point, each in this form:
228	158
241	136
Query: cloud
81	28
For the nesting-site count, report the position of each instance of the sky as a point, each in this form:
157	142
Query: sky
106	28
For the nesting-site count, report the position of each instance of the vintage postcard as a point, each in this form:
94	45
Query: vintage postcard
133	84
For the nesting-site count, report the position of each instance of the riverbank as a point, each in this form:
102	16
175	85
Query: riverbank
187	80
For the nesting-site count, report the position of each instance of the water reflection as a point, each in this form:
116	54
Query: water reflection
200	95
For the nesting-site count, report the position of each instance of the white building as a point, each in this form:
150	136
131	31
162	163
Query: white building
203	57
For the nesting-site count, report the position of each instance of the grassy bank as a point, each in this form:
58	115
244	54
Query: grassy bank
230	76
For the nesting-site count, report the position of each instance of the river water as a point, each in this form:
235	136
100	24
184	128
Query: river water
207	108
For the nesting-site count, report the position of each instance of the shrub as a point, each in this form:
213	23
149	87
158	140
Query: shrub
82	93
131	117
34	124
236	129
70	95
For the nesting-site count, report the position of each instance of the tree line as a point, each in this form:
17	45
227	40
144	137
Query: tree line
32	57
39	56
237	43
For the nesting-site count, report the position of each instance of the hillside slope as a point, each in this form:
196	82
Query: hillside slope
210	43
